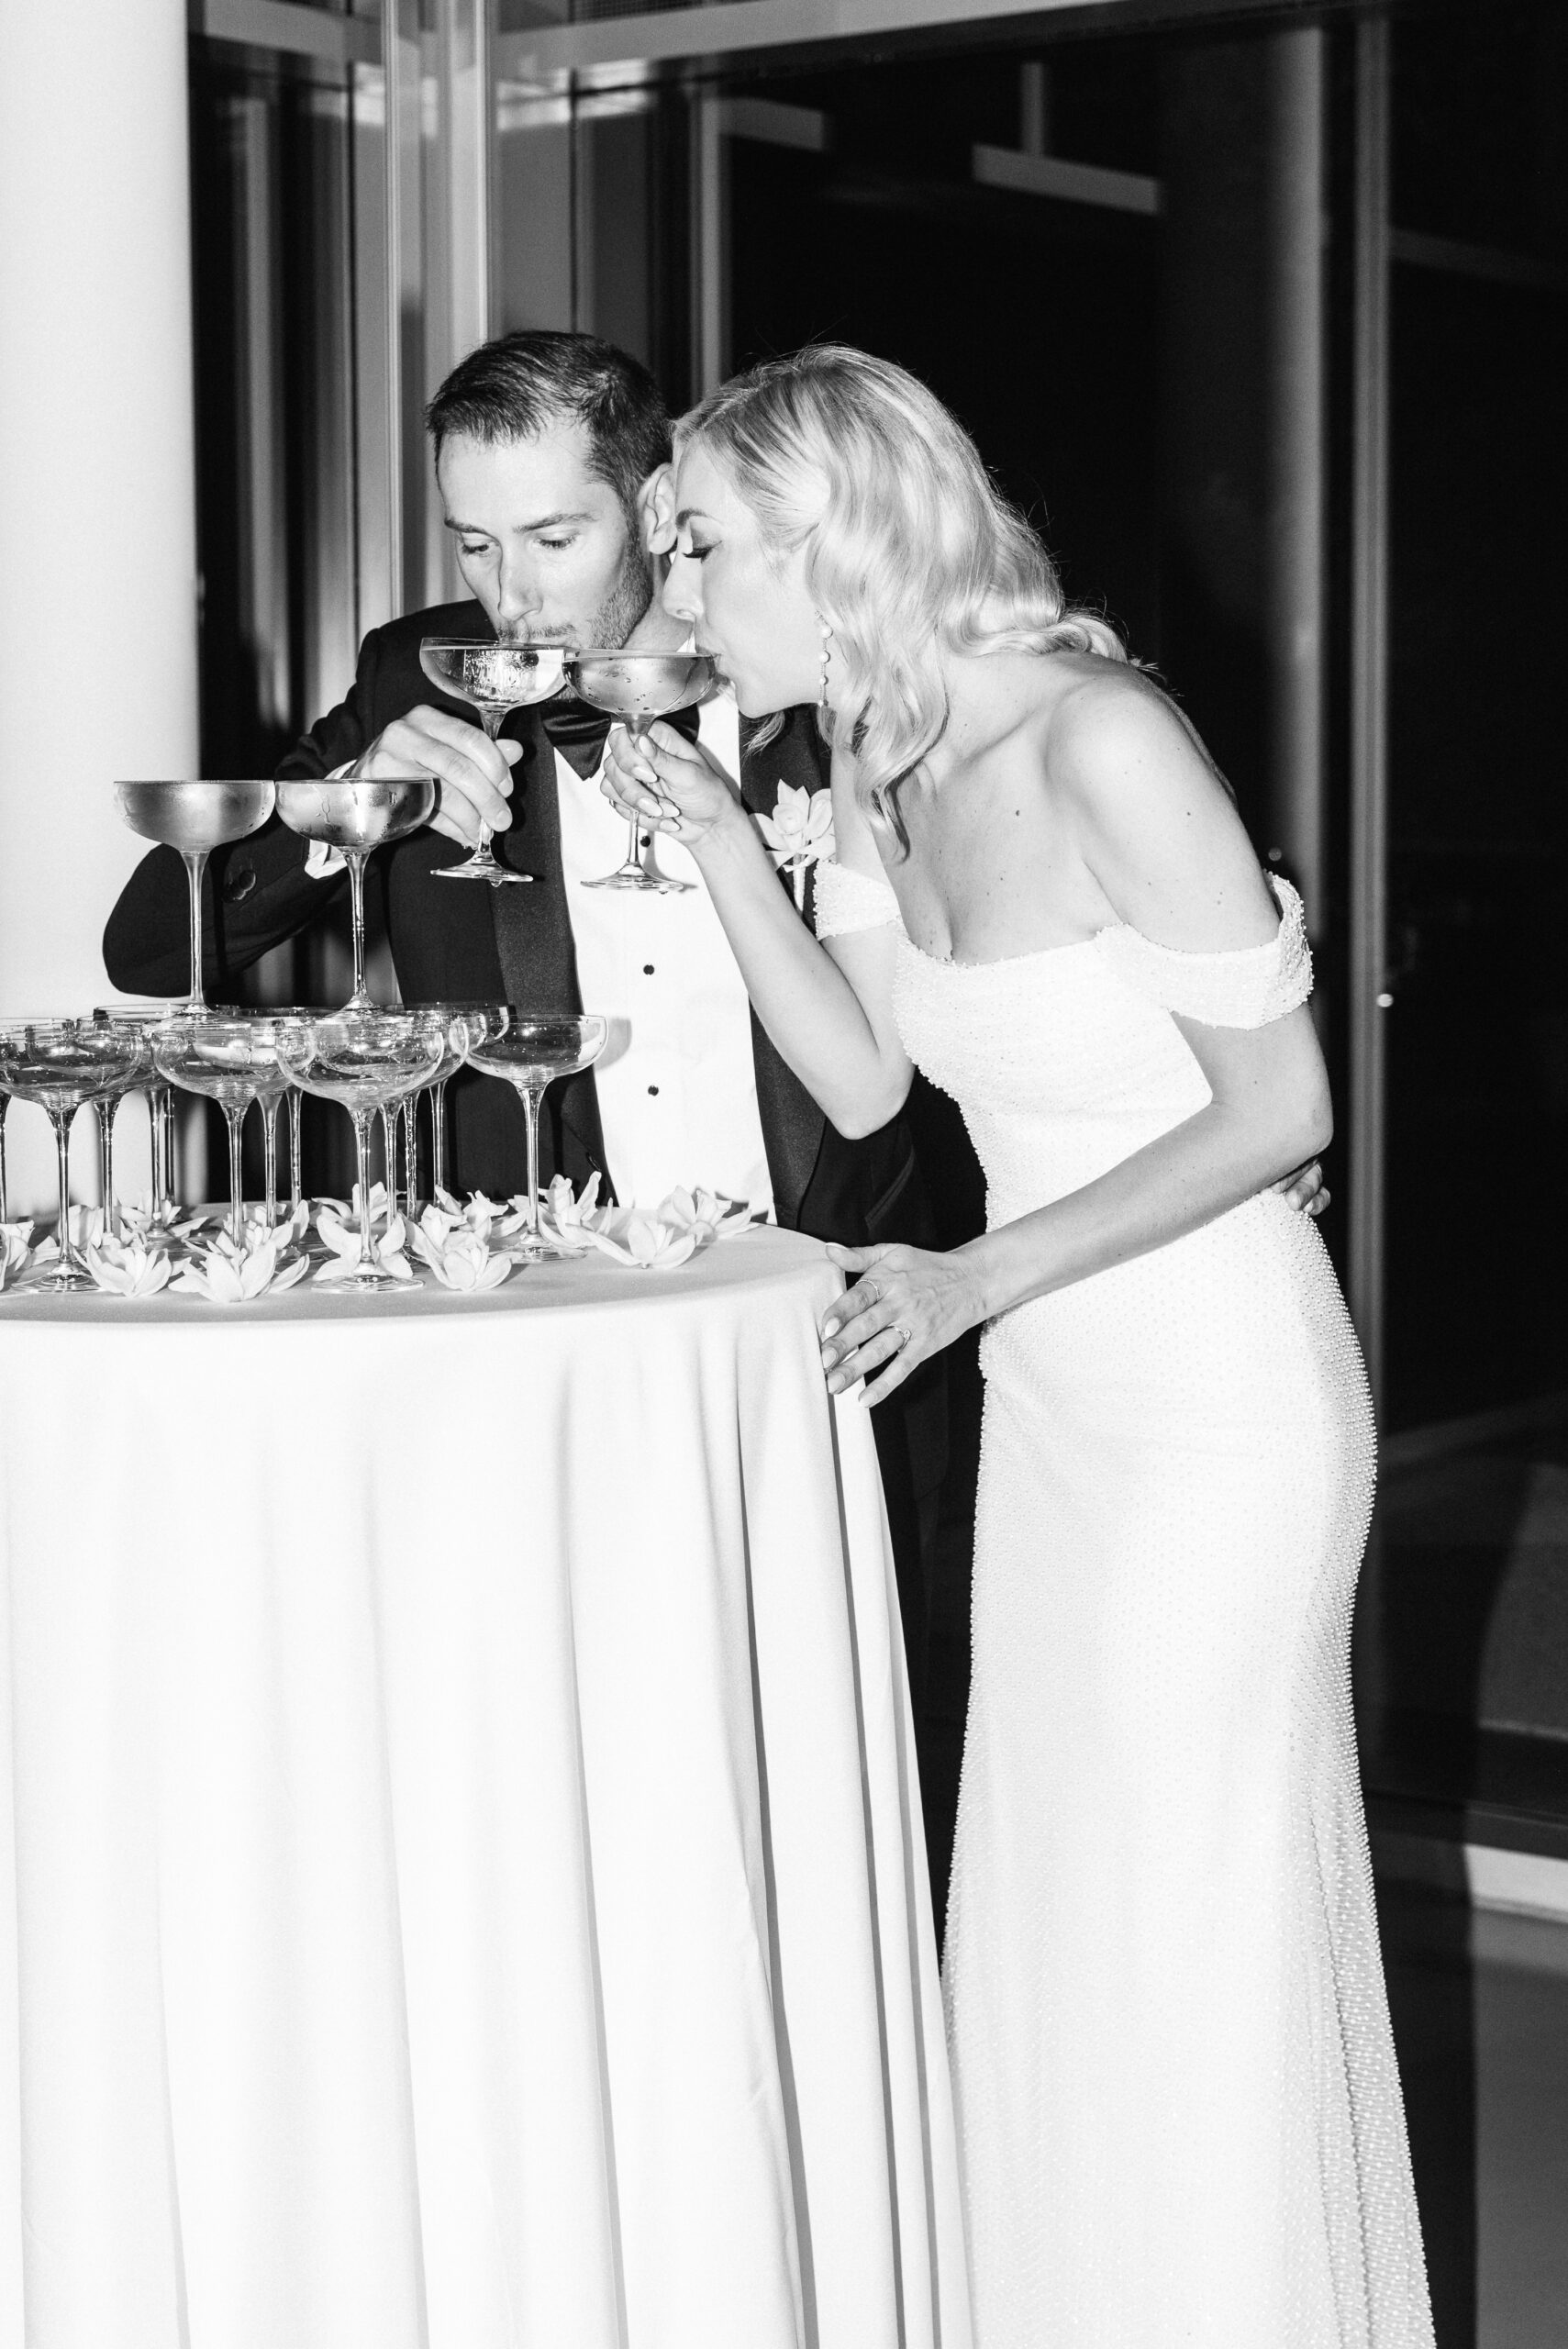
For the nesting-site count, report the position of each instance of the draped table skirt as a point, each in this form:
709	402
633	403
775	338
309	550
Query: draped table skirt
460	1876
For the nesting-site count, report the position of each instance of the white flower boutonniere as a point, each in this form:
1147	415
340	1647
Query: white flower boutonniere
798	832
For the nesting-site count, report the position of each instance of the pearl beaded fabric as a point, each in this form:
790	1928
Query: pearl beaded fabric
1179	2114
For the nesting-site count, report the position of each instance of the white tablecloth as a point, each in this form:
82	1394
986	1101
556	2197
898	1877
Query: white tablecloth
461	1877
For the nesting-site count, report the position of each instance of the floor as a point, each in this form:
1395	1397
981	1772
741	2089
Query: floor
1467	1730
1480	2006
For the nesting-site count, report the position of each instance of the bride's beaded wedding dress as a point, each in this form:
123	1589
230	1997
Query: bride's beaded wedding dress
1179	2111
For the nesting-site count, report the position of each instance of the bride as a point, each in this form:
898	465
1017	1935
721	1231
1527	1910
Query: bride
1179	2112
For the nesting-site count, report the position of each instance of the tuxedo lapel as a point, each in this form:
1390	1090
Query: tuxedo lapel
792	1125
533	926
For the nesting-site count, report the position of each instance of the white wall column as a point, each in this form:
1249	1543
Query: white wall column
97	509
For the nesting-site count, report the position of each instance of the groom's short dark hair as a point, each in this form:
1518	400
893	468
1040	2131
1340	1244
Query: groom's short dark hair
516	386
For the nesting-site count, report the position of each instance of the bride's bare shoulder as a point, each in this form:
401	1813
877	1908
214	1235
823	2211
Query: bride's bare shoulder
1153	817
1109	728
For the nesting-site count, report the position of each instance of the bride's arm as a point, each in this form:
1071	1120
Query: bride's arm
828	1010
1158	832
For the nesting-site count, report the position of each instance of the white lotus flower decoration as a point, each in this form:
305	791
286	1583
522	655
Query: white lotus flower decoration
705	1214
645	1240
799	833
15	1251
460	1258
288	1231
131	1270
342	1241
87	1226
143	1219
487	1218
573	1220
226	1274
348	1210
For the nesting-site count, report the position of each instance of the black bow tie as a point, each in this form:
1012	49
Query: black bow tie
577	731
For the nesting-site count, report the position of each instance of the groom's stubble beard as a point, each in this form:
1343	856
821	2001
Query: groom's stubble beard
630	596
628	602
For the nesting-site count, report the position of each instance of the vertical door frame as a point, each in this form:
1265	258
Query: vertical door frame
710	241
438	209
1370	999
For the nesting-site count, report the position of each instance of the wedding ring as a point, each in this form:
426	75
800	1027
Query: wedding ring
874	1293
902	1335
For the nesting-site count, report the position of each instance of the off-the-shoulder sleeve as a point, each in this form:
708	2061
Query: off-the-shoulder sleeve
844	901
1244	987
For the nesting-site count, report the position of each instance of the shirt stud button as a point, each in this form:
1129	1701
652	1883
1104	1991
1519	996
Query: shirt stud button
648	969
654	1088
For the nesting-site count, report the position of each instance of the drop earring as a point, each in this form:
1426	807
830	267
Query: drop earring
826	628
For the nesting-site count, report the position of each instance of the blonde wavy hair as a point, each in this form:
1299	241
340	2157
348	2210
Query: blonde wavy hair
909	545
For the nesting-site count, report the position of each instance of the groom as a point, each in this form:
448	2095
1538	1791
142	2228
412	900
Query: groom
552	456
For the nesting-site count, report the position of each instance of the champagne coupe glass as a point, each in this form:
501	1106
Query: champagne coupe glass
357	813
59	1064
459	1023
227	1057
273	1086
479	1019
633	686
159	1098
363	1059
531	1048
493	679
16	1021
272	1083
194	817
104	1104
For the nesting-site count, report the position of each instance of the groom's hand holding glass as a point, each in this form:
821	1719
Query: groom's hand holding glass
475	775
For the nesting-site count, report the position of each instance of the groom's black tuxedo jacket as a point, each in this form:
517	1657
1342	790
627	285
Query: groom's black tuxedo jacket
469	943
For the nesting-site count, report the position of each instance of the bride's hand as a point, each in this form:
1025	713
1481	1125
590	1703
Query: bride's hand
668	784
1306	1189
904	1304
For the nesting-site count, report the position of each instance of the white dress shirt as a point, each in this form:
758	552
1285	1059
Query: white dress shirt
676	1081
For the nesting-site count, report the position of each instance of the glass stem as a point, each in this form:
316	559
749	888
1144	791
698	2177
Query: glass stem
153	1094
4	1208
356	857
492	720
295	1097
389	1152
234	1114
532	1100
437	1136
68	1261
408	1126
363	1153
270	1159
195	866
161	1115
103	1110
